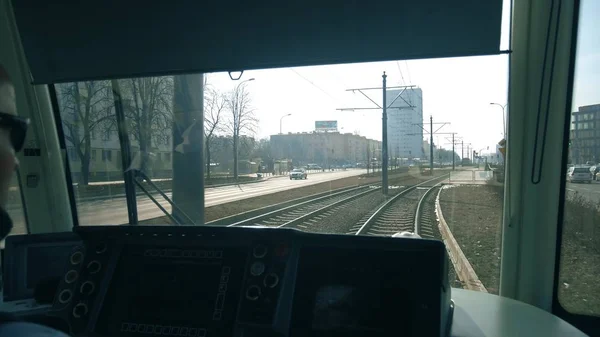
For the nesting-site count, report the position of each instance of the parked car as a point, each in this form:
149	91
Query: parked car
582	174
298	174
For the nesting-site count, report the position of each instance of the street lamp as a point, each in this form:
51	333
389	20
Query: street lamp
503	117
242	82
280	122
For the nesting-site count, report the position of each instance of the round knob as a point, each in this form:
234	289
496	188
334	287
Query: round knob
71	276
94	267
76	257
260	251
87	287
101	248
65	296
253	292
271	280
257	268
80	310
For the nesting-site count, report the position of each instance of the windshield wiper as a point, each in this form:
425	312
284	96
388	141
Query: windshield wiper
143	176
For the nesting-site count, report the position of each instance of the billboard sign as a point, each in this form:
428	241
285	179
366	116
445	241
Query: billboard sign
325	125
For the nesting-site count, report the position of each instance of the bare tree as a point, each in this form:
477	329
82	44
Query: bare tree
242	121
214	105
148	112
87	109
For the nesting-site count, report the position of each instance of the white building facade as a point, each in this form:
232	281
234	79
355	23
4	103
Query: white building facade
405	116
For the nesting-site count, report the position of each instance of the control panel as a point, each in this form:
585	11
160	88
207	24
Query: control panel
223	281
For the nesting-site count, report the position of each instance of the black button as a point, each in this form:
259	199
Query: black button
260	251
65	296
271	280
94	267
80	310
253	292
76	258
71	276
87	287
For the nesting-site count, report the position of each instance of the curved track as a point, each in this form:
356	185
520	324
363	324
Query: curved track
426	217
404	212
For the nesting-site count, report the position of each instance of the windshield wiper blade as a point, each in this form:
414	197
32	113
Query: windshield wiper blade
142	175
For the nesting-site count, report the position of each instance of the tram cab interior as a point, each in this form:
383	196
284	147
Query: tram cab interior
195	276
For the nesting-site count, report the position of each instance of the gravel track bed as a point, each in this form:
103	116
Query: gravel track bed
281	218
340	219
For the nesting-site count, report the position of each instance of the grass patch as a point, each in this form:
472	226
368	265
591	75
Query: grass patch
579	290
474	216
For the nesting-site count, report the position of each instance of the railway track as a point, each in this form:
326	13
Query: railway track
406	211
302	211
425	217
308	213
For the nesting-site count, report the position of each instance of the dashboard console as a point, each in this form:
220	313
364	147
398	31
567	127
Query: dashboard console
227	281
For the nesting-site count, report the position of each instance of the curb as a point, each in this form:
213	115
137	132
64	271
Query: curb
463	268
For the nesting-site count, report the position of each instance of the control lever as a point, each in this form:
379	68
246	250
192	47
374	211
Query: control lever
143	176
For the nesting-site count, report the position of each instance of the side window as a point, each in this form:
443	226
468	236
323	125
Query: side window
579	270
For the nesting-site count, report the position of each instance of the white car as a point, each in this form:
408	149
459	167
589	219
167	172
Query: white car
582	174
298	174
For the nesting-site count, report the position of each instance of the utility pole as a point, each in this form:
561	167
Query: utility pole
453	156
431	143
454	143
469	153
384	145
431	132
384	107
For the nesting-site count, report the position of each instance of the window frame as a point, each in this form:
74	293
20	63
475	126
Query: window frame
587	323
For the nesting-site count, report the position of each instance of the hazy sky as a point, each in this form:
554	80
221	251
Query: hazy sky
586	87
455	90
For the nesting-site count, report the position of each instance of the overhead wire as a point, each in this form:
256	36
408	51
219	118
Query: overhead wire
401	75
316	86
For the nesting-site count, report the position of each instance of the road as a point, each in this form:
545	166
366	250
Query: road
589	191
114	211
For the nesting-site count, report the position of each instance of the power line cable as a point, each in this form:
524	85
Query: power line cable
316	86
401	75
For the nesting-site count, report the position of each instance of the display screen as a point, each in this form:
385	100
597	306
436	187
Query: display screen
46	262
173	292
350	293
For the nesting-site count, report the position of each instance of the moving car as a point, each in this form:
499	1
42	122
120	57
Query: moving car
582	174
298	174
